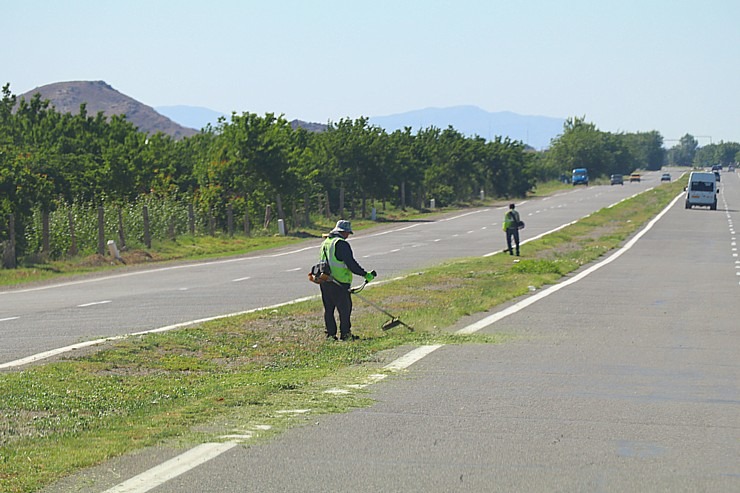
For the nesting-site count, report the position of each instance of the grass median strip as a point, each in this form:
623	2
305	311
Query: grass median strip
249	375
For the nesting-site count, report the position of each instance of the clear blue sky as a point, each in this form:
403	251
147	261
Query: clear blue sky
629	65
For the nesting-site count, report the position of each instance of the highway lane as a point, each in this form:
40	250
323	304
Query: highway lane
627	380
44	318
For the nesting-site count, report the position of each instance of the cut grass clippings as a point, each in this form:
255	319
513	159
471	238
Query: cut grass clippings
237	375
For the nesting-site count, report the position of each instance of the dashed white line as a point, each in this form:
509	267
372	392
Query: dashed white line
104	302
196	456
172	468
240	279
294	270
8	319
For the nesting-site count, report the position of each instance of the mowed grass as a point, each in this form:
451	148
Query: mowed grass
240	375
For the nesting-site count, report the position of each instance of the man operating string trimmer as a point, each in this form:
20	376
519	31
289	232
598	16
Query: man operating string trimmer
336	295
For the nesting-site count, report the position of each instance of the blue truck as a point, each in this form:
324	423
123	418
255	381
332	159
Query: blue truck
580	176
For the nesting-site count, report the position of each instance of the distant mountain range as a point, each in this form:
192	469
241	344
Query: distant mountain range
184	121
535	131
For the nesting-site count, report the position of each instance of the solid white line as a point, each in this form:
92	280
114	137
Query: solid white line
55	352
481	324
539	236
172	468
151	271
94	303
241	279
9	318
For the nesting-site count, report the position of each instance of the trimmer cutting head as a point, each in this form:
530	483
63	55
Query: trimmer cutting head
394	322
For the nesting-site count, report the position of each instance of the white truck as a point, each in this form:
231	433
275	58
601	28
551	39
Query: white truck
702	190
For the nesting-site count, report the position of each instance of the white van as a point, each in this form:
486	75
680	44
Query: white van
702	190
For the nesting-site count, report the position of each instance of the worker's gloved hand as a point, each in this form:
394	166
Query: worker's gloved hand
370	276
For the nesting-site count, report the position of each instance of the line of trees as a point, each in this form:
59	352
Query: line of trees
240	167
49	160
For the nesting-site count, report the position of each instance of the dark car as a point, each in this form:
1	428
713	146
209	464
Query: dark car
617	180
665	177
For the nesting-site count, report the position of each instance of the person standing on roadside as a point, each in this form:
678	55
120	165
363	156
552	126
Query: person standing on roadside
335	293
511	228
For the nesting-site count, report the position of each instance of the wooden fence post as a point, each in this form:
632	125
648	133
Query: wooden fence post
306	209
72	235
211	224
191	219
147	236
101	230
268	216
341	201
9	261
121	235
230	219
45	235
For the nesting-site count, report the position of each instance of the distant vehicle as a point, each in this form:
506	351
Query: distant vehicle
702	190
717	167
617	180
580	176
731	168
665	177
634	177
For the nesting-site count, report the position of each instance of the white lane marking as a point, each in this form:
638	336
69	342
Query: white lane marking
539	236
172	468
214	262
463	215
201	454
395	250
481	324
9	318
391	231
411	357
240	279
294	270
54	352
104	302
151	271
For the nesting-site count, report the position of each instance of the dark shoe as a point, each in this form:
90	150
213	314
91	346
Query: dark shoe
348	337
331	338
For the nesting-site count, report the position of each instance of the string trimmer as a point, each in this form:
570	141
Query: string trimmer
393	322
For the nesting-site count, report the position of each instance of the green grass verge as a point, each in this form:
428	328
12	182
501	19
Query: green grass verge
238	375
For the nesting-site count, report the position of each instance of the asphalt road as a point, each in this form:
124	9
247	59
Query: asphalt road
627	380
34	320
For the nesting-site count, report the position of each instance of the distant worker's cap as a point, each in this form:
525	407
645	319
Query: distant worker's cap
343	227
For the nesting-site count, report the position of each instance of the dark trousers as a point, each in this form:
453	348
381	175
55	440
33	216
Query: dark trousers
336	297
512	233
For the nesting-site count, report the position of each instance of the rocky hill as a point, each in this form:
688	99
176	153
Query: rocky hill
67	97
